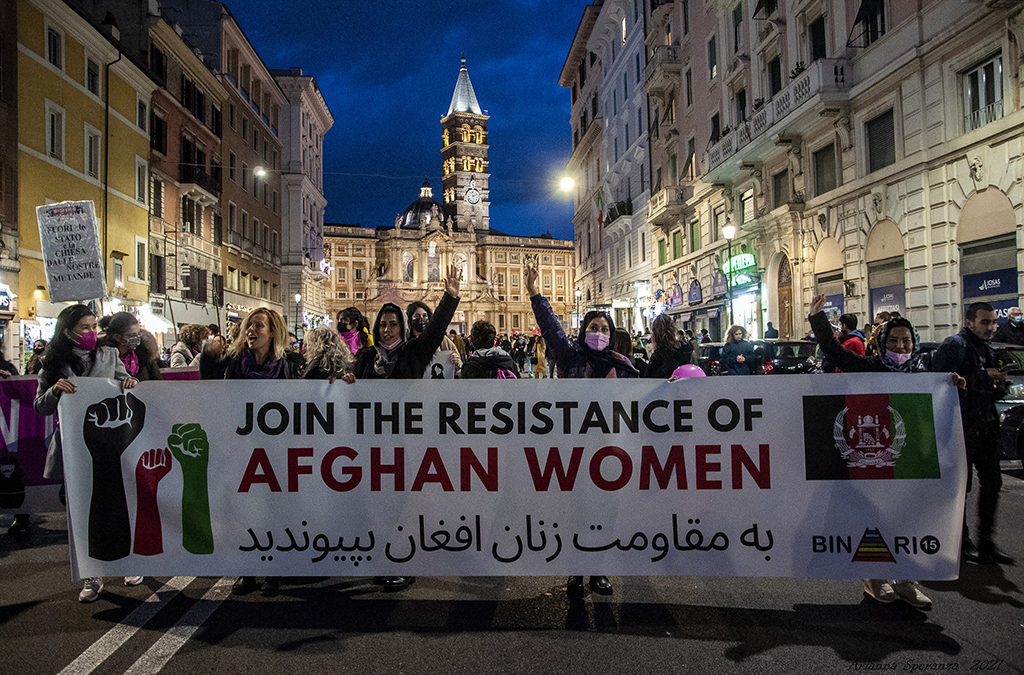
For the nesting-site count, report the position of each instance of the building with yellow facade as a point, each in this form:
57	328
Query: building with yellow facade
83	134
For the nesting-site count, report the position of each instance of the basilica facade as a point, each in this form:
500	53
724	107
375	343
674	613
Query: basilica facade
407	260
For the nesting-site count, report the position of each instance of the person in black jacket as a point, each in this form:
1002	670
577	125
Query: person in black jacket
969	354
1011	332
899	352
327	356
669	351
487	358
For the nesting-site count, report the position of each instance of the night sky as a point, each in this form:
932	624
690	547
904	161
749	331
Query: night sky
387	69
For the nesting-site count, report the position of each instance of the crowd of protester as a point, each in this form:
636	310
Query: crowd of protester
403	342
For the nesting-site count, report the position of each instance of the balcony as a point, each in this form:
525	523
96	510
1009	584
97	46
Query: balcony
667	204
792	112
982	116
196	181
663	70
618	213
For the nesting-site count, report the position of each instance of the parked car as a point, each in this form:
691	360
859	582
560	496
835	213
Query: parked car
788	357
710	359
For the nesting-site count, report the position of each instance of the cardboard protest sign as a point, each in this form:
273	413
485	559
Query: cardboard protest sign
72	257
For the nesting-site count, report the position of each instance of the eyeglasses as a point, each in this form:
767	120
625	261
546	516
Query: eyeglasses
296	344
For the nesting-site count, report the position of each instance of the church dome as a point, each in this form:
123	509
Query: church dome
422	207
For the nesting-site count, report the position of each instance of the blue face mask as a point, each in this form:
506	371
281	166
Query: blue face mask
1017	319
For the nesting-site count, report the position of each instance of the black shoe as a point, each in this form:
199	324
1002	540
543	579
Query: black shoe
990	554
392	584
969	552
20	524
601	585
244	585
270	587
574	587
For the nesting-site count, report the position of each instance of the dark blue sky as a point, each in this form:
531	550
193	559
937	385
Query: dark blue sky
387	70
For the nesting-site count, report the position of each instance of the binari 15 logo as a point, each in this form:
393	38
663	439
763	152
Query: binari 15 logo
873	547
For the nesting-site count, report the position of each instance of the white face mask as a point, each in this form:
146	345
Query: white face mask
597	341
898	359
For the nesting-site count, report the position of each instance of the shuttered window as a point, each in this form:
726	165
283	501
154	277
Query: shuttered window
881	141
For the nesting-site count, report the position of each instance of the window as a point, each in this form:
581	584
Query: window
741	105
245	176
643	246
142	119
825	169
357	273
245	128
677	244
870	22
92	152
716	128
623	30
816	37
737	27
55	47
983	93
140	259
686	17
717	222
661	251
158	198
690	167
118	272
245	225
158	274
92	76
158	64
158	133
637	62
688	86
694	236
747	206
54	131
881	141
780	188
232	218
775	76
712	58
231	165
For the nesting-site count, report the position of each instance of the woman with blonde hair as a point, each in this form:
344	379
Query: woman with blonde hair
327	356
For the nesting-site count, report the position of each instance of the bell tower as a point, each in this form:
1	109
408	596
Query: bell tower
464	186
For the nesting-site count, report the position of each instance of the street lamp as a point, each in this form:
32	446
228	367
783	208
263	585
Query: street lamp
729	232
579	294
298	300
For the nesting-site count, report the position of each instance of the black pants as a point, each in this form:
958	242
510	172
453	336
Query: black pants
983	456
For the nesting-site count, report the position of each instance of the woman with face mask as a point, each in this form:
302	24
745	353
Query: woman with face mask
125	334
35	362
898	352
354	329
419	317
73	352
395	355
590	355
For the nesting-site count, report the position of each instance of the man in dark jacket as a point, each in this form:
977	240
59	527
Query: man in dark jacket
1011	332
969	354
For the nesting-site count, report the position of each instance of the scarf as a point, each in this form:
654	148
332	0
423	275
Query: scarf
385	361
131	363
251	370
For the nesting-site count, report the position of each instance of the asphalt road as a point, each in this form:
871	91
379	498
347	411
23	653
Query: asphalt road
505	624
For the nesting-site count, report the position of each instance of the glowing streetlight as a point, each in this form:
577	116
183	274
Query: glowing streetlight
259	172
566	184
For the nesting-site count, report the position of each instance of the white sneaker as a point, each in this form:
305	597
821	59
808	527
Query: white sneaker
910	593
91	589
880	589
132	581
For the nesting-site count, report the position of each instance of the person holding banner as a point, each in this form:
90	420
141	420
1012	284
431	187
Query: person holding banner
898	346
74	352
395	355
125	334
419	317
327	356
588	356
258	353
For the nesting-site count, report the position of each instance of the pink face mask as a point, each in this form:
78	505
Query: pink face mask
351	338
391	345
597	341
898	359
86	340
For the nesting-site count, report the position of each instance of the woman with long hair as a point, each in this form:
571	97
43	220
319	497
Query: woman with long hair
124	333
669	351
35	362
74	352
588	356
190	342
540	365
354	329
258	353
737	353
327	356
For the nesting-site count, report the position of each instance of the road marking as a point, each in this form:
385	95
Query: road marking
157	656
101	650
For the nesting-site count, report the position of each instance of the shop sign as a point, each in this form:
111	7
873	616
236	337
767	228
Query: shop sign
743	261
996	282
719	286
833	306
677	295
5	298
695	296
889	299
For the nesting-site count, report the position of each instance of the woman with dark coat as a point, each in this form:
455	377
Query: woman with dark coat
125	335
669	351
35	362
899	352
394	355
258	353
737	353
327	356
74	352
588	356
487	358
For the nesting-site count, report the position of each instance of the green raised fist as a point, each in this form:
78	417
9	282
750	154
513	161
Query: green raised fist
190	447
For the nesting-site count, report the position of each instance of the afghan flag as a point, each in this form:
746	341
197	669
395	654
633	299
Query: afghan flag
870	437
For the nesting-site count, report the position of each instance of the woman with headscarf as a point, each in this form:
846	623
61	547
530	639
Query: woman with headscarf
395	355
419	316
258	353
669	351
124	333
588	356
737	353
898	347
73	352
190	342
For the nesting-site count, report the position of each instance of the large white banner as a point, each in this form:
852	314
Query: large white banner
70	236
817	476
